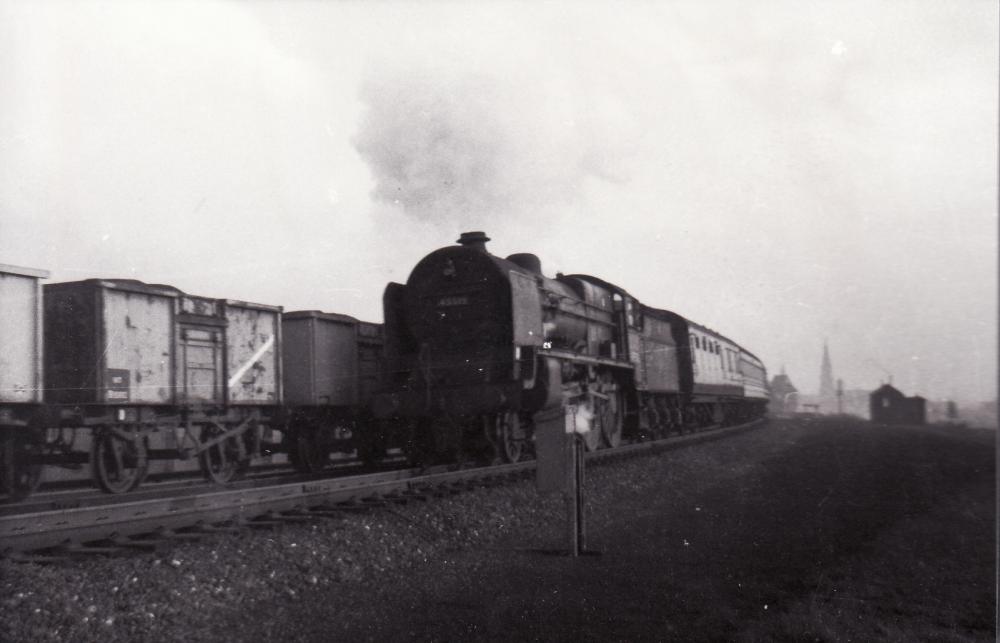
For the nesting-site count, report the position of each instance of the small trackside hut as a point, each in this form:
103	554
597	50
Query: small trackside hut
145	371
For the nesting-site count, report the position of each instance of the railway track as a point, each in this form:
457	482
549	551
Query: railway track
77	496
41	532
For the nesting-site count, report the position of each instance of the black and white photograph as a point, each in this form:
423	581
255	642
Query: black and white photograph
664	320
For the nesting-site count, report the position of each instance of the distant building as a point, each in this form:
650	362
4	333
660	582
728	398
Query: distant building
889	406
784	395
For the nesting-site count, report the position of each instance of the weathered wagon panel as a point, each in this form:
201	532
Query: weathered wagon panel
20	334
109	341
137	347
321	358
253	339
330	359
126	342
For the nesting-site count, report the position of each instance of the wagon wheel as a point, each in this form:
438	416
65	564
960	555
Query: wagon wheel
222	462
508	438
119	464
21	476
611	420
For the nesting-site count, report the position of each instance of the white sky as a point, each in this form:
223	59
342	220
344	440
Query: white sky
784	172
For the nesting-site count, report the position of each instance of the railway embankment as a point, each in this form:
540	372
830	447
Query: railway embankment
827	530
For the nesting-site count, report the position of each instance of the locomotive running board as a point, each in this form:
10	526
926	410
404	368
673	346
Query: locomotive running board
584	359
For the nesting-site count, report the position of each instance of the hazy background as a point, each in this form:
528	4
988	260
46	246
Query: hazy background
785	172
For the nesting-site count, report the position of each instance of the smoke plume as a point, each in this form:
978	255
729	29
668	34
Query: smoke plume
468	146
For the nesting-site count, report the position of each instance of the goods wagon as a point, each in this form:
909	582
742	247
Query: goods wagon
20	374
140	372
332	365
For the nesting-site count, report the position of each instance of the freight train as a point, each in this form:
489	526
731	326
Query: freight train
114	375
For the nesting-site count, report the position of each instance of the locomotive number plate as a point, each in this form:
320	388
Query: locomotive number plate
459	300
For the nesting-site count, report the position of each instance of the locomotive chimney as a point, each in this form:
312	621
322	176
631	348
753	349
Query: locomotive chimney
475	240
528	261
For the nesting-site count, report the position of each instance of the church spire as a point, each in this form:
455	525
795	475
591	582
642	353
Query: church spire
827	393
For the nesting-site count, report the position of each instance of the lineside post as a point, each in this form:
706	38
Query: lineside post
572	492
560	452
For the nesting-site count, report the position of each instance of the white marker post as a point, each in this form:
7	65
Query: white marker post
578	422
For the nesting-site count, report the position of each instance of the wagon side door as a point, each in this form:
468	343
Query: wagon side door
200	353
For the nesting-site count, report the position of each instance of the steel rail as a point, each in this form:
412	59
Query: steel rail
157	520
74	498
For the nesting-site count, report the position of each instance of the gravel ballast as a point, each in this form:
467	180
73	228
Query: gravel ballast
750	537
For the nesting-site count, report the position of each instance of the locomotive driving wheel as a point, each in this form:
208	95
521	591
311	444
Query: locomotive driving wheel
507	436
119	460
224	461
21	476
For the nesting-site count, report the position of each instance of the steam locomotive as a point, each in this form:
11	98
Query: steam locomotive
473	350
477	345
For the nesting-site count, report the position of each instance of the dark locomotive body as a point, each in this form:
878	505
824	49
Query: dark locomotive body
477	345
